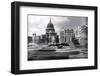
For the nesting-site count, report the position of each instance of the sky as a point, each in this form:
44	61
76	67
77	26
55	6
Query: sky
38	23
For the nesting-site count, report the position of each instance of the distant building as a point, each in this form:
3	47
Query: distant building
43	39
66	36
29	39
62	37
35	38
51	35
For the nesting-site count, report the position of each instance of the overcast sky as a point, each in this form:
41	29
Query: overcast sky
37	24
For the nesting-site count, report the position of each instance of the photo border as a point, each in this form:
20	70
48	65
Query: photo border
15	37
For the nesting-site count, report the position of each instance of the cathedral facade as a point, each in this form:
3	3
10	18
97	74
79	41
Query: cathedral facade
51	35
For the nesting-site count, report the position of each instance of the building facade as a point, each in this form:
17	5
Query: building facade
36	39
51	35
29	39
66	36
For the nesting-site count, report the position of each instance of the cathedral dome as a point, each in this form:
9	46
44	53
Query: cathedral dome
50	25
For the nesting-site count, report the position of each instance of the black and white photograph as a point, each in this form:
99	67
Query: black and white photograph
57	37
52	37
